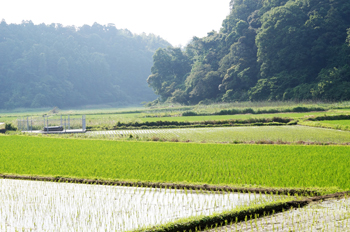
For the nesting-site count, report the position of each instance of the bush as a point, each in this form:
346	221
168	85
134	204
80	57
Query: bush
306	109
189	113
282	120
177	124
228	112
9	126
331	117
248	111
292	123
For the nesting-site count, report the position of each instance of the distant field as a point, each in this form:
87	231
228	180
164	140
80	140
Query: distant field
258	165
112	119
237	116
108	117
232	134
97	120
331	124
337	122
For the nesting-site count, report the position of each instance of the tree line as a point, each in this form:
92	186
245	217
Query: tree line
265	50
54	65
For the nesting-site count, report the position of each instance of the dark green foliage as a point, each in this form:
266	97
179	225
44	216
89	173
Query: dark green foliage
269	50
298	109
168	73
180	124
330	117
189	113
9	126
51	65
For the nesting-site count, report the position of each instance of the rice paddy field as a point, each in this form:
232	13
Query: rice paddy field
227	117
336	124
47	206
291	134
330	215
343	125
111	116
232	157
293	166
112	119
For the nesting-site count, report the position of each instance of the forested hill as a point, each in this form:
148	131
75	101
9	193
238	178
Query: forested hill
52	65
265	50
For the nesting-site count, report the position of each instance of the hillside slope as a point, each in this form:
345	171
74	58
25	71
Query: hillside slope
52	65
265	50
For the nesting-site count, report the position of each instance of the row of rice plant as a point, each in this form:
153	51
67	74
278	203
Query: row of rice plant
330	215
48	206
226	164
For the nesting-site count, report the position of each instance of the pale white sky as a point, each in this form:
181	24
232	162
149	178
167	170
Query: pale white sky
177	21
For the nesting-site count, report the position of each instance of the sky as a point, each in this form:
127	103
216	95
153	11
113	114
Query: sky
176	21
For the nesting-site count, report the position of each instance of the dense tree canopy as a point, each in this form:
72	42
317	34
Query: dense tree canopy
51	65
265	50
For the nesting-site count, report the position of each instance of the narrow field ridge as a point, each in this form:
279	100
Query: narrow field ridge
216	188
240	216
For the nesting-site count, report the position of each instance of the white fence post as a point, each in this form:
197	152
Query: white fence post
83	120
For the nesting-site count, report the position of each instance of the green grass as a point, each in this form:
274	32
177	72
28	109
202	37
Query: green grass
225	164
337	122
331	124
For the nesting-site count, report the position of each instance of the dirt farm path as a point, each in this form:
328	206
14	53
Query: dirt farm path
328	215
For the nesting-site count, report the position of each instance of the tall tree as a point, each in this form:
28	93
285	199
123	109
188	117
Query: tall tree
52	65
268	50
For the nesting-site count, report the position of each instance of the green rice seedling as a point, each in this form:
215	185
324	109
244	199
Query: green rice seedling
220	164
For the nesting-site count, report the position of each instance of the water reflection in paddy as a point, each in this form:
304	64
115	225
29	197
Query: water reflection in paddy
35	205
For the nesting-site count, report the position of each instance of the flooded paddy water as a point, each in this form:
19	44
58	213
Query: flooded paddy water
49	206
328	215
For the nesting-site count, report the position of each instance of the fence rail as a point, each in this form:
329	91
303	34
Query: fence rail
46	122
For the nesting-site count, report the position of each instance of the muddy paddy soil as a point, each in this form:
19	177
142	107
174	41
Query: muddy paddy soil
328	215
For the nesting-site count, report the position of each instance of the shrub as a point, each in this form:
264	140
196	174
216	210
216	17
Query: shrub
331	117
189	113
209	123
9	126
306	109
248	111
